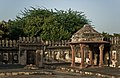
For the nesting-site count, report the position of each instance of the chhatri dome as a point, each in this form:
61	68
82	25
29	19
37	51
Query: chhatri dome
87	33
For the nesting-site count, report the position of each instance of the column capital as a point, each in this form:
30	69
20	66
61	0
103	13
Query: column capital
101	47
38	51
72	46
82	45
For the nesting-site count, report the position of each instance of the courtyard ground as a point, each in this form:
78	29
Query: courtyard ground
18	71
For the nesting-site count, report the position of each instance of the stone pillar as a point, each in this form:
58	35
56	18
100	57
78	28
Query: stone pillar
46	54
73	56
91	57
67	55
25	57
109	58
58	55
82	55
37	60
101	48
50	54
11	57
19	60
53	55
22	57
42	58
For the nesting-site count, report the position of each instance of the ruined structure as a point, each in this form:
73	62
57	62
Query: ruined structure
86	47
31	51
96	50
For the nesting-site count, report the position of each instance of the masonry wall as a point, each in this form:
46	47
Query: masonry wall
58	50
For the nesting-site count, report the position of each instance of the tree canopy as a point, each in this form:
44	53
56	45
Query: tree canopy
3	29
48	24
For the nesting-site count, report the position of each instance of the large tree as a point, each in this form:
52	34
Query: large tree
3	30
48	24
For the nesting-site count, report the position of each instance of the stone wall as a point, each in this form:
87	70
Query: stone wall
56	51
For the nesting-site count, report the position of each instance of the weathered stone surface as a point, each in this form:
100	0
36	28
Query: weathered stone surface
8	74
2	74
14	73
87	33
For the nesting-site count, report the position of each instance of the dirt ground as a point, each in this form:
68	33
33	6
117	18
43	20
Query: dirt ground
113	72
49	76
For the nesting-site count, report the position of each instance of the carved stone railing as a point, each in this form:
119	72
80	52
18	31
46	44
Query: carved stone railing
115	40
58	43
8	43
14	43
30	40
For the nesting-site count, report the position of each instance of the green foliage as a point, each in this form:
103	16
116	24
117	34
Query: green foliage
109	35
48	24
106	34
3	29
116	34
15	29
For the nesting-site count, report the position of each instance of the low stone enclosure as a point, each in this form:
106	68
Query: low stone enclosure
24	51
35	51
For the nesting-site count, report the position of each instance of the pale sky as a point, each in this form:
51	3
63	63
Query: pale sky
104	14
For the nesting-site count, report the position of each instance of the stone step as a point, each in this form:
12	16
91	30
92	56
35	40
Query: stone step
73	70
25	73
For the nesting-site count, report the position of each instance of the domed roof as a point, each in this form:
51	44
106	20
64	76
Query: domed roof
87	33
87	29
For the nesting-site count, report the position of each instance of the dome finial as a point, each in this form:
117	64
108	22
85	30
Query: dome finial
87	25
